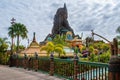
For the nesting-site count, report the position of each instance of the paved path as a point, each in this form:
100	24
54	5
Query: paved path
12	73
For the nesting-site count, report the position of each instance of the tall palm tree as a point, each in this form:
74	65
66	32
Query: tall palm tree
18	30
51	48
118	31
11	34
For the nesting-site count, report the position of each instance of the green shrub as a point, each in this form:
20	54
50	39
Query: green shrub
83	48
105	57
92	57
91	49
4	58
84	59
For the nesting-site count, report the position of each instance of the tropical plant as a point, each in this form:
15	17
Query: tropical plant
48	48
21	47
105	57
89	41
51	48
83	48
11	34
4	57
105	47
118	31
93	57
18	30
3	45
91	49
60	39
98	45
118	42
76	50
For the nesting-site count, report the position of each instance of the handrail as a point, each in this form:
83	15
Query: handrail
94	64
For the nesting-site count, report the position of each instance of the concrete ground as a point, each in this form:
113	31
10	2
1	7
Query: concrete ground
13	73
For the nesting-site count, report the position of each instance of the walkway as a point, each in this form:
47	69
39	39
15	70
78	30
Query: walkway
12	73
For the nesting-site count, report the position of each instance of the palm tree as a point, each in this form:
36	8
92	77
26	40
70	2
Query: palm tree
10	33
51	48
60	39
59	49
89	40
18	30
118	31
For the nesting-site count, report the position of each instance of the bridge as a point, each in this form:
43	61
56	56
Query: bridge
13	73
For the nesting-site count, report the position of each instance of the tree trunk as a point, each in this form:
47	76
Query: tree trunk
12	46
18	43
59	55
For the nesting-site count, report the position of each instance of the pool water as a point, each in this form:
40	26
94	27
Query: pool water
68	50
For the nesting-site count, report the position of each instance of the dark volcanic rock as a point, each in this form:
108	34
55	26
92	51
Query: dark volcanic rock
61	24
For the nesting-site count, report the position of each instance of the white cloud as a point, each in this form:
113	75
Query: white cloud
100	15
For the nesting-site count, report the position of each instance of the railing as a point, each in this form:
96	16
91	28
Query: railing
92	71
85	70
64	68
44	64
19	62
67	68
74	69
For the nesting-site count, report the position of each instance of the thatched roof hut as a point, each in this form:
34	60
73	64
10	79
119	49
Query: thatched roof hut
32	48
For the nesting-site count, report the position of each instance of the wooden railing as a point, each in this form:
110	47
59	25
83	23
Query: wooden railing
92	71
72	69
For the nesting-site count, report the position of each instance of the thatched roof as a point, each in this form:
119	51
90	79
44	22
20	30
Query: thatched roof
33	47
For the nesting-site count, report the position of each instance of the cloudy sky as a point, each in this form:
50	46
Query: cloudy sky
103	16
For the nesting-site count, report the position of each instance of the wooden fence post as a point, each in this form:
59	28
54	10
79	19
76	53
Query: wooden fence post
17	62
25	62
51	64
29	63
114	64
75	67
36	62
